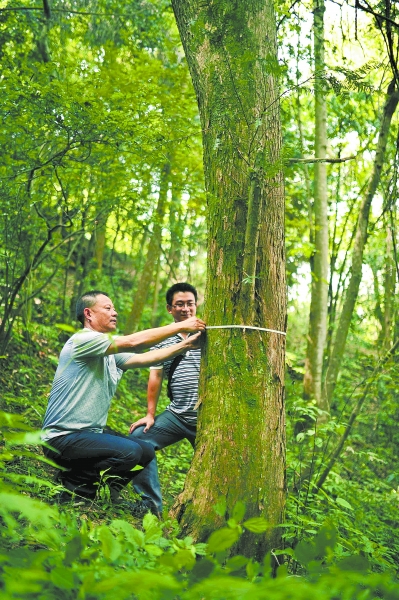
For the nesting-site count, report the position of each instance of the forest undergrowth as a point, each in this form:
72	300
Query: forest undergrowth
339	541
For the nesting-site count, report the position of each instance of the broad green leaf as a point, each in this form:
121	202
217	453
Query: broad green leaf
73	549
256	525
239	511
153	549
222	539
150	520
33	510
132	535
236	562
343	503
63	578
220	506
110	546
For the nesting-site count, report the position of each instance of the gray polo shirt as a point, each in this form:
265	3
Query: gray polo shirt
84	384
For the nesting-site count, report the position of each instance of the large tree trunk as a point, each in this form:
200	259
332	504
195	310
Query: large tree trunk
312	384
240	452
338	348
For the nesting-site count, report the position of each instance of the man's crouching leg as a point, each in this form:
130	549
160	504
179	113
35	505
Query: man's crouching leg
86	455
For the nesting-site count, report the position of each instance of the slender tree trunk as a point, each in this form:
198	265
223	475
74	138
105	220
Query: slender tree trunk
389	292
312	384
176	224
153	253
100	239
338	347
42	41
240	452
155	301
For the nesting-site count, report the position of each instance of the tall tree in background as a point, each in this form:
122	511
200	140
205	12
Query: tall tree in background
361	234
240	452
319	263
153	253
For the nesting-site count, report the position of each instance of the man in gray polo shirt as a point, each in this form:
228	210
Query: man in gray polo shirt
179	420
90	367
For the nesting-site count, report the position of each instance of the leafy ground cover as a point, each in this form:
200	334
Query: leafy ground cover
339	543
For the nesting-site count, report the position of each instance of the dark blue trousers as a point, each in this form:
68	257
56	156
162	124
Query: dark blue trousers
86	454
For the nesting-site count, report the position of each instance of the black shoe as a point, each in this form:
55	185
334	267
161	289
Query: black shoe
140	509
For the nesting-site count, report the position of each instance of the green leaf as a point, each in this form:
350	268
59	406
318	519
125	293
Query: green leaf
236	562
256	525
305	552
354	563
222	539
110	546
63	578
133	535
73	549
33	438
239	511
149	521
252	569
66	327
200	549
153	550
343	503
33	510
220	507
14	421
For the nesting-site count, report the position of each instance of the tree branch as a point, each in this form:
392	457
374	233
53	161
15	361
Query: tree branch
320	160
63	10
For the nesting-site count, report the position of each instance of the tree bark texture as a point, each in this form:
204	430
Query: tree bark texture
312	383
153	253
338	347
240	452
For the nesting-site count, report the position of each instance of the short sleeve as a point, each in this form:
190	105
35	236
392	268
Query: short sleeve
87	344
157	366
122	357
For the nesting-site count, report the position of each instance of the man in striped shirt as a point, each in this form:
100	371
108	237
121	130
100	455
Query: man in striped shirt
179	420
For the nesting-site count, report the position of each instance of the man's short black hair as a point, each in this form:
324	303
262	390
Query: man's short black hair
87	300
180	287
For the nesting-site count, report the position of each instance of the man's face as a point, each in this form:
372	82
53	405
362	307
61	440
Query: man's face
183	306
102	315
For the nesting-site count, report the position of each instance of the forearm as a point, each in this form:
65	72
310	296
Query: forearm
155	356
154	390
137	342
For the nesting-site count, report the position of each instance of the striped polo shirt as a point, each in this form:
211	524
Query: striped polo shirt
184	384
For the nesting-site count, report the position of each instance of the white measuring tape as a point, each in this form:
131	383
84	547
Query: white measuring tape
244	327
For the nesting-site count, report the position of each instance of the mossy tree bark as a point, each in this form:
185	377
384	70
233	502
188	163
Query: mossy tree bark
240	452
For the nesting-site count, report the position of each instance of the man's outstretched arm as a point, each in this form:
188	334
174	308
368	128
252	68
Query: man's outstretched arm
154	357
137	342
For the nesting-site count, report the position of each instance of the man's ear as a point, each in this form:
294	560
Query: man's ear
169	309
87	314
